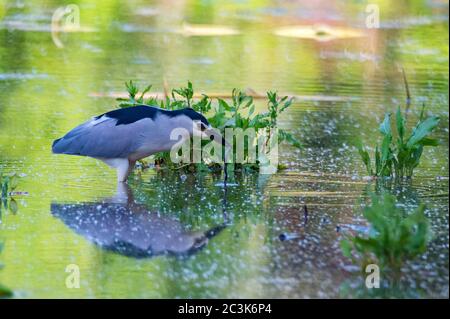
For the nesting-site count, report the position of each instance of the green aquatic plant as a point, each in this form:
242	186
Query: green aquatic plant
237	113
133	98
185	92
276	106
395	236
400	156
4	291
240	114
8	183
389	289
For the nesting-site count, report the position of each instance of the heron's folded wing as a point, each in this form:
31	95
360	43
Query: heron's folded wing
101	137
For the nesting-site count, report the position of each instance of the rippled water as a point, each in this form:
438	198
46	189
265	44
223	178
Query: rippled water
220	244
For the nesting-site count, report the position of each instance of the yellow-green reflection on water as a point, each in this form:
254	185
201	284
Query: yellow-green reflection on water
45	91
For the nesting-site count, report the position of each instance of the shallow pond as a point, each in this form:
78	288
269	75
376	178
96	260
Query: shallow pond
220	244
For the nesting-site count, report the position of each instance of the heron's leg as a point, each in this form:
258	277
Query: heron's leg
123	170
122	195
121	164
130	166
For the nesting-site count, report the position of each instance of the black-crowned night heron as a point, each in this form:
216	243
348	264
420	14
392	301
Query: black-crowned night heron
121	137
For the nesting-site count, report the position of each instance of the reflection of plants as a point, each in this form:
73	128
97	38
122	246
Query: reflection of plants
8	183
4	291
356	288
394	236
196	200
401	157
224	115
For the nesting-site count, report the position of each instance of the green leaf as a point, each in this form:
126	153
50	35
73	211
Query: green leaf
252	110
422	130
427	141
285	136
400	124
5	187
422	113
386	153
13	207
5	292
415	158
378	164
224	105
145	91
286	104
132	89
365	158
249	103
13	182
385	127
346	248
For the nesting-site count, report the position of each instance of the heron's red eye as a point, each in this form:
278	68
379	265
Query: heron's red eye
202	127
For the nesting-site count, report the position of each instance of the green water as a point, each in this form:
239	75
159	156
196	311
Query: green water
344	86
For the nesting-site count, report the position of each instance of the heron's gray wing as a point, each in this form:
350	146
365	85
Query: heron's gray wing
102	137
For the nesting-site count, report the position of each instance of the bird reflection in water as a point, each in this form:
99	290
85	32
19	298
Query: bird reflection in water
121	225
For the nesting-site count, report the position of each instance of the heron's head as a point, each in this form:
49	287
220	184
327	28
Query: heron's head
202	128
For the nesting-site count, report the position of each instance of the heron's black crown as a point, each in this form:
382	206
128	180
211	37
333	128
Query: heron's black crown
135	113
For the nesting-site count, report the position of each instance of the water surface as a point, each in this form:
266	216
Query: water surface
172	236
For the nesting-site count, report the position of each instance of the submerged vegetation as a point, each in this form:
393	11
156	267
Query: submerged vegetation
4	291
400	156
395	236
237	113
8	183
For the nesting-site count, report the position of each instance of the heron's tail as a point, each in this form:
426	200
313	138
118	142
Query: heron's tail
63	146
55	148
